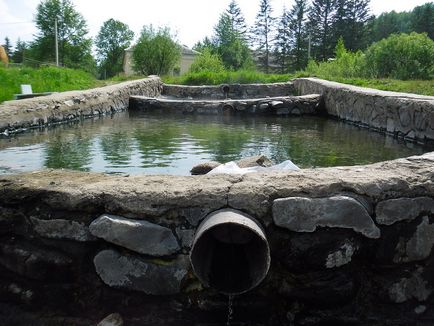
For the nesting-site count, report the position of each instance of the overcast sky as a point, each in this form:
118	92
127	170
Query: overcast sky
192	20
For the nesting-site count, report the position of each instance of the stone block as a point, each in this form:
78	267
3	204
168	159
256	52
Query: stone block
62	229
419	246
137	235
403	209
301	214
413	287
34	262
135	273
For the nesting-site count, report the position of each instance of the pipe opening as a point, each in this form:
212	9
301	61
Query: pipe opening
230	252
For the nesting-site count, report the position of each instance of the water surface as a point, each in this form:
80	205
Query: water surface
136	143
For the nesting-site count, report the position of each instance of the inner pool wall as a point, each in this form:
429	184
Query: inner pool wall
403	115
234	91
348	245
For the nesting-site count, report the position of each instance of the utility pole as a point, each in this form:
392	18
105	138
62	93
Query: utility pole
308	47
56	42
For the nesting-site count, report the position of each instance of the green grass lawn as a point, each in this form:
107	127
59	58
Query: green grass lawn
45	79
423	87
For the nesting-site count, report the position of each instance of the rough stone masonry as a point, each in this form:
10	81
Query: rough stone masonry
349	245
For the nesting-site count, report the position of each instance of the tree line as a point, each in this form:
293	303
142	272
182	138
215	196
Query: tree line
282	43
307	30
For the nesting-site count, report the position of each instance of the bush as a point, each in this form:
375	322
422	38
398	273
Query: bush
401	56
207	61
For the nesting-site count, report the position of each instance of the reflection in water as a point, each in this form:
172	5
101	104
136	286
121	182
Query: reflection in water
143	143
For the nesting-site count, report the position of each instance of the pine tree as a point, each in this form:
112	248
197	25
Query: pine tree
422	19
237	19
282	44
321	17
19	54
229	44
263	33
298	37
8	47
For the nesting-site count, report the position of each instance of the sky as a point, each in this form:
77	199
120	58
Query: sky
190	20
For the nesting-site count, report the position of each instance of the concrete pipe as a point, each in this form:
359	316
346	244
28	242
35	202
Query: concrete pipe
230	252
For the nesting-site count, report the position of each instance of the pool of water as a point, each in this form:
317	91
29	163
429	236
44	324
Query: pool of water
136	143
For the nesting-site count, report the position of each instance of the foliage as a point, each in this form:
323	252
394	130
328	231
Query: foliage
422	19
156	52
112	40
238	22
230	45
74	48
282	46
403	56
207	61
298	37
8	46
350	21
45	79
240	77
263	33
321	16
19	53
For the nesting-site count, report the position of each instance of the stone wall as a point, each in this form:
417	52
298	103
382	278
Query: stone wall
349	246
66	106
282	105
233	91
409	116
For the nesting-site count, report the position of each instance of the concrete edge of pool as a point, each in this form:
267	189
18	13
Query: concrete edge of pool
349	245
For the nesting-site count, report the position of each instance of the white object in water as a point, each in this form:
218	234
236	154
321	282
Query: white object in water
233	168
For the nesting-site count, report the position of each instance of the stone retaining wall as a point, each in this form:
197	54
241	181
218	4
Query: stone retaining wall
282	105
233	91
409	116
66	106
349	246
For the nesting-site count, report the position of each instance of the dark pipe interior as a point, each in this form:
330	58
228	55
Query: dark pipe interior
230	258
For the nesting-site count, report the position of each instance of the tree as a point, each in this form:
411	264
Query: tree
389	23
401	56
156	52
207	61
237	20
230	45
282	44
112	40
8	47
263	33
422	19
74	47
19	53
350	22
320	25
298	37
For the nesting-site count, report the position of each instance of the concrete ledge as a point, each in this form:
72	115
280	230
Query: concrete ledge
404	115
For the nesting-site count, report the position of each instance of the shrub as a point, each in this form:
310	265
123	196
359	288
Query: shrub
401	56
207	61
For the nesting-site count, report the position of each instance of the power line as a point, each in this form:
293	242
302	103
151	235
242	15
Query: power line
15	23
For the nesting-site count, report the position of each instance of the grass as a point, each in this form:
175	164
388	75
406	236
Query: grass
423	87
53	79
226	77
45	79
